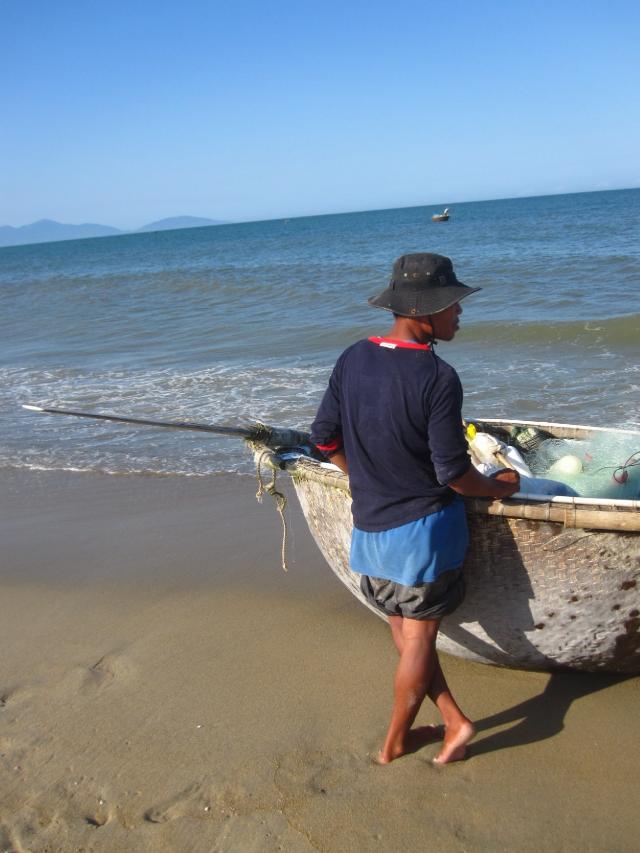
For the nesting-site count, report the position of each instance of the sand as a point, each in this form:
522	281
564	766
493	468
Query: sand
165	686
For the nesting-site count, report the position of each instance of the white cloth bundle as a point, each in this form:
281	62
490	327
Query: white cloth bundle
489	455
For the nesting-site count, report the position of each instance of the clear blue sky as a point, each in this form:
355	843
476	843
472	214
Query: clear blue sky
126	112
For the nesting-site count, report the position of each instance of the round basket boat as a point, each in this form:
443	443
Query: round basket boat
552	583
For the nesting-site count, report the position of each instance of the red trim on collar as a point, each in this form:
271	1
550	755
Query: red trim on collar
392	343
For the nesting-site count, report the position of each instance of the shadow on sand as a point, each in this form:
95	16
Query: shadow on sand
543	715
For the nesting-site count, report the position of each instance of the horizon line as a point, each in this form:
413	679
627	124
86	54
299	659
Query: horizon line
234	222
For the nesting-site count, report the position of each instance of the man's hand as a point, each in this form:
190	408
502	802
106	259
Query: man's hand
510	478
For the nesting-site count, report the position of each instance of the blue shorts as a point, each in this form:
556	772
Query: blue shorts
414	553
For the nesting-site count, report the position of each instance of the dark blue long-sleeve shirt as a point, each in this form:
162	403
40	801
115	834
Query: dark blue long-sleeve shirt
395	407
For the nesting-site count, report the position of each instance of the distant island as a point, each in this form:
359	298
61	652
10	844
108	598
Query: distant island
49	231
174	222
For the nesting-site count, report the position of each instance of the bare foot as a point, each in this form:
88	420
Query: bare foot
415	740
455	743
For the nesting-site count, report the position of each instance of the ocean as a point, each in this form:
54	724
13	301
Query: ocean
236	323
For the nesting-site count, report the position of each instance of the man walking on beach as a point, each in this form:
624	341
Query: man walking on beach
391	418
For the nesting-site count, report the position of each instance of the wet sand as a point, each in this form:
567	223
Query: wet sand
165	686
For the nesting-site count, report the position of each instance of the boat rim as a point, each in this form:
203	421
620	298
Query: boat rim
555	425
519	498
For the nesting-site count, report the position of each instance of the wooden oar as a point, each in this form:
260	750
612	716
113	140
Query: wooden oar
502	459
271	436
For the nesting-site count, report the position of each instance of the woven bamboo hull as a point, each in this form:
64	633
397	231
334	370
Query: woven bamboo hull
541	594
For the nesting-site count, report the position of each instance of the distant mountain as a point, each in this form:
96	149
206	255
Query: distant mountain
48	231
174	222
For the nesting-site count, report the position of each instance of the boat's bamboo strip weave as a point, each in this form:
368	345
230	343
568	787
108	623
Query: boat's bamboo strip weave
568	515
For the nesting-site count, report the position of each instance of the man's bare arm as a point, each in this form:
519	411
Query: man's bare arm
502	484
340	460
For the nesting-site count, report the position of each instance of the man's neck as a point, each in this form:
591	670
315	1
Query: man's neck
411	329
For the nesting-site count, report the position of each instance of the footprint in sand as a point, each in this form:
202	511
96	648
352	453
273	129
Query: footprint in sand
208	798
103	672
241	827
100	815
318	772
84	798
10	841
262	832
15	695
194	800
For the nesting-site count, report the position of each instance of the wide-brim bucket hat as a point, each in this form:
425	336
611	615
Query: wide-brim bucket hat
421	284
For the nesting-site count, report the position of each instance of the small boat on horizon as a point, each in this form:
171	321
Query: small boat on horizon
441	217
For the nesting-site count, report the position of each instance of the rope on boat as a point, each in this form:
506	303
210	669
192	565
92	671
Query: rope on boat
280	499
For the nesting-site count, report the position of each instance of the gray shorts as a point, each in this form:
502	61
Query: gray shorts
425	601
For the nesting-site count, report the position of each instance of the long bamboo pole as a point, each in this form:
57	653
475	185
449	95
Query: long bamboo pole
271	436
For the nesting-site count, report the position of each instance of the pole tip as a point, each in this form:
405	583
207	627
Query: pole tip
32	408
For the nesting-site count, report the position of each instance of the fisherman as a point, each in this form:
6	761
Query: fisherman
391	418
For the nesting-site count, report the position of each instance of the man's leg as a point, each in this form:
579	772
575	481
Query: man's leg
413	677
419	673
458	729
395	623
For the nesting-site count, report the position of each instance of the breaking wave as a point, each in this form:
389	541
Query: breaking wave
614	332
